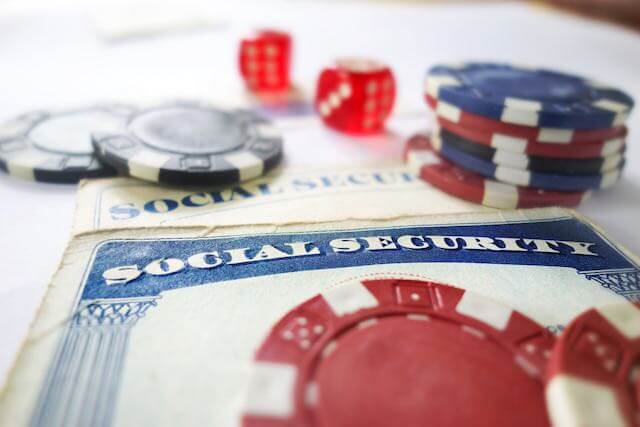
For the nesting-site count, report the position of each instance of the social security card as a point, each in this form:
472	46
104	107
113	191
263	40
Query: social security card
158	326
295	194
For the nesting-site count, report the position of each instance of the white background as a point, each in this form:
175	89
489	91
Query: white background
54	56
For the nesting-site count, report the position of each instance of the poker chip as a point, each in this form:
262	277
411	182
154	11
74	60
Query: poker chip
593	377
524	177
55	146
399	352
187	143
535	163
467	185
529	97
486	130
587	150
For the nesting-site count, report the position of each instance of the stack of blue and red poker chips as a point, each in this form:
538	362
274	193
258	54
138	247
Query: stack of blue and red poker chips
515	137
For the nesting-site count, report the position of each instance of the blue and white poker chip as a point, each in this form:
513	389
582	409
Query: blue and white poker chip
55	146
529	97
190	143
521	177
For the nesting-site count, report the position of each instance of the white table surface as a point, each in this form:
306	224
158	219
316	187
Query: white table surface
53	57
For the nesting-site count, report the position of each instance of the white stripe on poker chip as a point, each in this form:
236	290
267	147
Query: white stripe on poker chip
448	111
268	131
556	136
576	402
506	142
485	310
248	164
349	298
147	164
586	196
522	104
416	159
500	195
22	164
611	162
516	160
521	111
621	118
609	178
513	176
436	140
612	146
610	105
624	317
620	110
519	117
271	389
435	82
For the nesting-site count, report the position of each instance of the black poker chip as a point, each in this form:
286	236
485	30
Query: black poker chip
55	146
190	143
550	165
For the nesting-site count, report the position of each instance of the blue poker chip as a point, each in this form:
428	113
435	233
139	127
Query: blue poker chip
521	177
529	97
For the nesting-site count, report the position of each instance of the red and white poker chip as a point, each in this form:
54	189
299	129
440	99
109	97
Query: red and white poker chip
531	140
399	352
594	371
467	185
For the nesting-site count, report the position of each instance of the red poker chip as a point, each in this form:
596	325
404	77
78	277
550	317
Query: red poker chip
485	129
583	150
467	185
400	352
594	371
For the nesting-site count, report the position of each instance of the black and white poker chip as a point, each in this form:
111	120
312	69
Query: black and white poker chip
593	165
189	143
55	147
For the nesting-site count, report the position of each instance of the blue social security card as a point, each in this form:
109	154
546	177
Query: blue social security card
159	326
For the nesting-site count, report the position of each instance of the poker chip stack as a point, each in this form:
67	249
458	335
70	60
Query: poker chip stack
512	137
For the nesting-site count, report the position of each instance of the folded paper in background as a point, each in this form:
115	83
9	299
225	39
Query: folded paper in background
284	196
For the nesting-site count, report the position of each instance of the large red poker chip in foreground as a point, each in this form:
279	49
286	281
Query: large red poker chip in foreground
395	352
594	371
467	185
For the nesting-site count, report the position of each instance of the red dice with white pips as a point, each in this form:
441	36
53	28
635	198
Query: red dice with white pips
264	59
355	95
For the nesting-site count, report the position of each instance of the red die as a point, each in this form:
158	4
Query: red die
356	95
264	61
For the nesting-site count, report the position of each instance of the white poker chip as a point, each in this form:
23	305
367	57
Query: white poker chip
189	143
55	147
